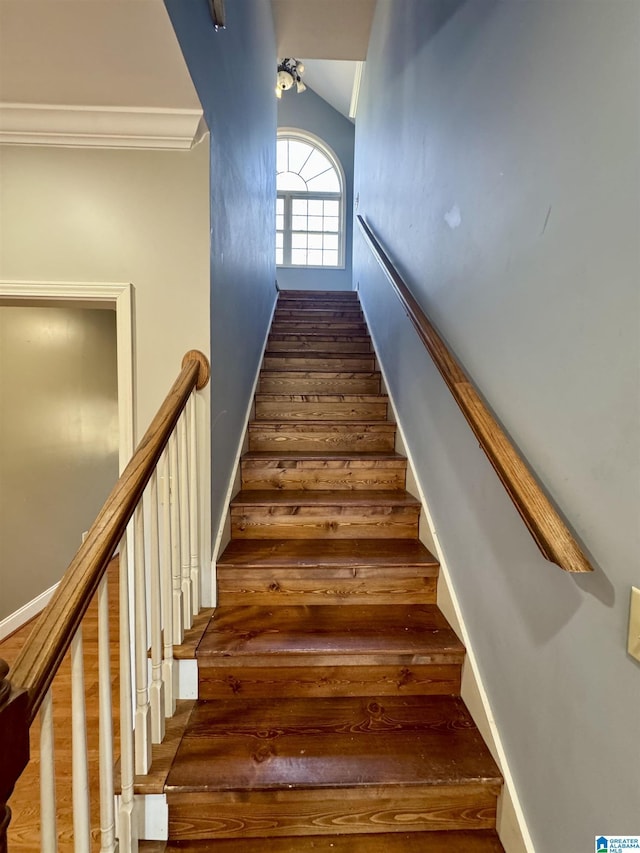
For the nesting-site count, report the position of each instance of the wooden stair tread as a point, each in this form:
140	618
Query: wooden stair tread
345	742
350	373
472	841
359	632
324	455
326	497
339	554
262	396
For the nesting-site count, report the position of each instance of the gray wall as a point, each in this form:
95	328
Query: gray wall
58	440
497	154
308	111
233	71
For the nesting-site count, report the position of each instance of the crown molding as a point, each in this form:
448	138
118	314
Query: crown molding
99	127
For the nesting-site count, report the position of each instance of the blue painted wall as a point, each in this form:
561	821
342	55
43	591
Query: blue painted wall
499	164
233	71
310	112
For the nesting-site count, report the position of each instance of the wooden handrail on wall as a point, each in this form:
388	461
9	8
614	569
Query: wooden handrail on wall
549	531
23	690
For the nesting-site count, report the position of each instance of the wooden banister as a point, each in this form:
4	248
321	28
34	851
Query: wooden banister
51	637
549	531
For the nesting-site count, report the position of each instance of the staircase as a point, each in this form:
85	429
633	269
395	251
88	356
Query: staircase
329	716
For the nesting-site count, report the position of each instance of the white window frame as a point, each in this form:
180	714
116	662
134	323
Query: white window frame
288	196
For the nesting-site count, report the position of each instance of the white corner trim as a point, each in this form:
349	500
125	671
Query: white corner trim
20	617
99	126
116	294
355	92
511	824
236	463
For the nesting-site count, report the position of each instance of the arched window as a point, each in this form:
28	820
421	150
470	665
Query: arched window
310	203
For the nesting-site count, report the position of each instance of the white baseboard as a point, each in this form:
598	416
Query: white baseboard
27	611
219	542
511	825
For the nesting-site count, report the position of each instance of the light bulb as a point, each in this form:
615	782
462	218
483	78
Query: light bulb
301	87
300	68
278	92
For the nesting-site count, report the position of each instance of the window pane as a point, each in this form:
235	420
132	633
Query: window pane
299	241
299	256
298	154
299	205
316	164
290	182
330	259
327	182
315	223
299	223
279	205
331	223
280	222
281	156
315	241
331	241
279	256
315	206
314	257
279	240
331	208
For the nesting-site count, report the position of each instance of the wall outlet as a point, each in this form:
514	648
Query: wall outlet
634	624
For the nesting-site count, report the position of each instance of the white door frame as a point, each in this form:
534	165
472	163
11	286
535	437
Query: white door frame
91	295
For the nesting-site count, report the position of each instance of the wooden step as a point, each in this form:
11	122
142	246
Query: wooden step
309	297
317	435
323	470
319	361
328	513
299	343
460	841
319	382
297	767
329	326
314	313
331	571
328	650
321	407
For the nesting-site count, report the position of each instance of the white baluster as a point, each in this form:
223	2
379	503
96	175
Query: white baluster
143	714
194	519
80	763
156	689
48	833
107	818
169	668
176	582
185	550
127	834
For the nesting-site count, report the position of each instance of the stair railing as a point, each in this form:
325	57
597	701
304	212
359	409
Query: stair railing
551	534
159	545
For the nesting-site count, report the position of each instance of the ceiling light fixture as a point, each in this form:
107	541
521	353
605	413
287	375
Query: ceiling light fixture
289	72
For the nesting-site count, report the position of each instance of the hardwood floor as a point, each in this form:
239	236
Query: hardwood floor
24	830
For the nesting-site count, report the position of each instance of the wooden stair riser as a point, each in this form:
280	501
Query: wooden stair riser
282	586
348	436
289	343
436	841
323	474
331	327
377	678
318	314
324	302
318	522
417	809
319	361
318	382
320	407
